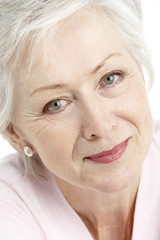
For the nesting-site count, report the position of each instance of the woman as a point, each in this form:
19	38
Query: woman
74	101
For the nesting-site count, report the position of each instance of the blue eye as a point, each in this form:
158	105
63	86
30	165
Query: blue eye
111	79
55	106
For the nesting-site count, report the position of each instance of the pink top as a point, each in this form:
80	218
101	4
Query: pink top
30	210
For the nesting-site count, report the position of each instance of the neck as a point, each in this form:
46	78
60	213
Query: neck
106	215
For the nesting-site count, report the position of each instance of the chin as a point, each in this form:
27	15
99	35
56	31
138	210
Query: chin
120	178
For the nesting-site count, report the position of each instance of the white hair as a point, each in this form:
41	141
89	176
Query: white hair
23	24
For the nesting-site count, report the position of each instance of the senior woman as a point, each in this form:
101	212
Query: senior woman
73	99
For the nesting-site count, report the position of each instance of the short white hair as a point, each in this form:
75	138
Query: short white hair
24	23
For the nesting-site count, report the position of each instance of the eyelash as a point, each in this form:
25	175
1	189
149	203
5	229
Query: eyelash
120	75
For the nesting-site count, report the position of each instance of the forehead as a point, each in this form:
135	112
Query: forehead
80	43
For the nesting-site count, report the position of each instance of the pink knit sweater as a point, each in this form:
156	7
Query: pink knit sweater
30	210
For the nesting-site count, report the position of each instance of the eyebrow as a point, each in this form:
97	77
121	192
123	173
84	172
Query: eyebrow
104	61
93	71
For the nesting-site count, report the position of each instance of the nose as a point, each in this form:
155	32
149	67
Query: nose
98	118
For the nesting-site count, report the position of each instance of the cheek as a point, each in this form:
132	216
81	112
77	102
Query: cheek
134	104
137	113
55	142
134	116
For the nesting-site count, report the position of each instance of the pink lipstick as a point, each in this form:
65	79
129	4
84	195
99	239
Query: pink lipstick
111	155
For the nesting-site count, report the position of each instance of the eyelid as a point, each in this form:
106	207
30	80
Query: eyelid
115	72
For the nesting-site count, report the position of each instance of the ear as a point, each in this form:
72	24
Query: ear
16	139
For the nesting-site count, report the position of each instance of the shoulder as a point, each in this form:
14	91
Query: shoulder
32	209
11	168
12	174
15	183
18	218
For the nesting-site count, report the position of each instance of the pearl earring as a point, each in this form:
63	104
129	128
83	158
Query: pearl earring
28	151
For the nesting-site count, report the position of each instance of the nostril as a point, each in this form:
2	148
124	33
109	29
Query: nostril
93	135
89	136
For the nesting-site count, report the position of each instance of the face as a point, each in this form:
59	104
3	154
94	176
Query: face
87	96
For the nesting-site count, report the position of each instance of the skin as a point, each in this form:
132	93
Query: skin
94	116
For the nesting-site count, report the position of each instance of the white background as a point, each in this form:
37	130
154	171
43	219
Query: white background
151	11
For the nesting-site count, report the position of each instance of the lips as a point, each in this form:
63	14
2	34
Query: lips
111	155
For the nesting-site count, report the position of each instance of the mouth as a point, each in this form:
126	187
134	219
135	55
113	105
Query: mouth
111	155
